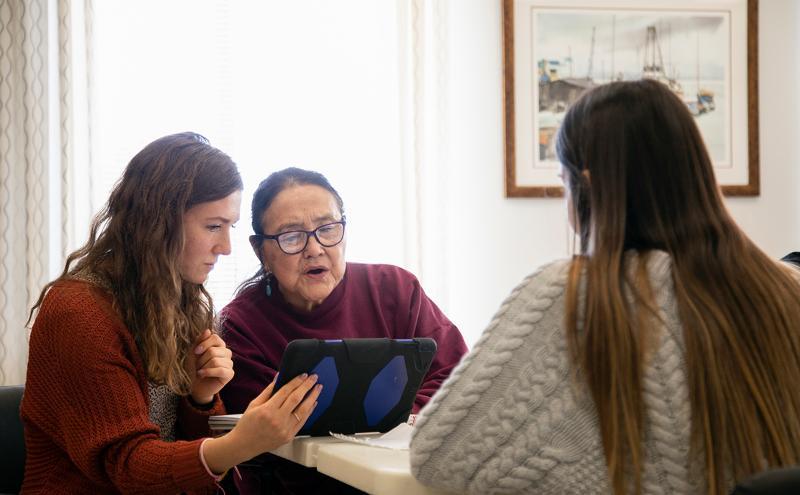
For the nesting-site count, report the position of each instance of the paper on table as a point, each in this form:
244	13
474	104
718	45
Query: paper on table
397	438
223	422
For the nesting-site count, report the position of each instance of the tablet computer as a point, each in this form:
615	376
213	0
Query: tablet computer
368	385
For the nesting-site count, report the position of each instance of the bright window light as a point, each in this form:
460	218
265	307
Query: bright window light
312	84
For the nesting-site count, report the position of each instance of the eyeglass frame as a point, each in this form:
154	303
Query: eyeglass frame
308	233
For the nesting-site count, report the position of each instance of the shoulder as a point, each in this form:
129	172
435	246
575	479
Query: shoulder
548	276
78	325
536	302
793	258
386	277
250	316
77	302
244	302
538	291
379	270
528	320
531	314
515	376
791	264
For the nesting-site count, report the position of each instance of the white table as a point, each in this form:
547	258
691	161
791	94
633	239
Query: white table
303	450
371	469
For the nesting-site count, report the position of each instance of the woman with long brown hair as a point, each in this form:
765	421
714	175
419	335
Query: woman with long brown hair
663	358
124	369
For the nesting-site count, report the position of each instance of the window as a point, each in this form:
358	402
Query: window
273	84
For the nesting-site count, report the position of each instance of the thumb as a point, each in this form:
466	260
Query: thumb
203	336
263	397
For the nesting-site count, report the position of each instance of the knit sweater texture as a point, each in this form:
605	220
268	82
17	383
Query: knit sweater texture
513	418
86	407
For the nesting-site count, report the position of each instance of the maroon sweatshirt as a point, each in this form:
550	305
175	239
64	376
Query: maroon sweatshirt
370	301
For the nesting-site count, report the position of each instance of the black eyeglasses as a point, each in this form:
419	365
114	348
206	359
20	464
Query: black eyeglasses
295	241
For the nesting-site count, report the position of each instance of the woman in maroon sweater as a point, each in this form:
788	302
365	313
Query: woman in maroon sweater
123	369
306	289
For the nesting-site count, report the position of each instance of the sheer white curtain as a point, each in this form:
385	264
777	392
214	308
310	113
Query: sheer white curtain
353	89
424	102
37	158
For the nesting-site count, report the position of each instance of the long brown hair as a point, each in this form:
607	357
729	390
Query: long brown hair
640	178
136	240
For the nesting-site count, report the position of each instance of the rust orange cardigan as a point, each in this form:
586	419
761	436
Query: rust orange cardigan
85	407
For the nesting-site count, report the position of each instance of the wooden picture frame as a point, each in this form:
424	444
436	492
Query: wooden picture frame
535	94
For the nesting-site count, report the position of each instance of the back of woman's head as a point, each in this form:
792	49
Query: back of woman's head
135	243
639	178
638	171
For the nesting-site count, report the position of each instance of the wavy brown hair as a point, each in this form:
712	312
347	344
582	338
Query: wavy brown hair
136	240
639	178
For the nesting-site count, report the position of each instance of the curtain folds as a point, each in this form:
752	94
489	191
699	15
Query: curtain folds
36	187
46	185
23	174
424	68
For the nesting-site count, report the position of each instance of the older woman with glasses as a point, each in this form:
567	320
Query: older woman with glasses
306	289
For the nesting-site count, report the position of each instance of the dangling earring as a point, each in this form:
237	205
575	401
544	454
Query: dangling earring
268	288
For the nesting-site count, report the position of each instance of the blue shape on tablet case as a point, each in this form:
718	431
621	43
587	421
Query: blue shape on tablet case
329	378
385	390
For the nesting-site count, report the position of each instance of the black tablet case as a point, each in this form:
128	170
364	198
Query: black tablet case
368	384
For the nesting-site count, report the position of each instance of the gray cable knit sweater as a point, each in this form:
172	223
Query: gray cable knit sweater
512	419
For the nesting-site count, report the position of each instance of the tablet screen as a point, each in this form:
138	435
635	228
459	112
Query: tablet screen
368	384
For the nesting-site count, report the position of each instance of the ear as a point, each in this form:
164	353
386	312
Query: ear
256	243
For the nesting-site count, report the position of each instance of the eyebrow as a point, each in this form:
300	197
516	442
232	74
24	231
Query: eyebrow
220	220
300	226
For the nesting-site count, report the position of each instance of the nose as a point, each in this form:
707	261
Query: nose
313	248
224	246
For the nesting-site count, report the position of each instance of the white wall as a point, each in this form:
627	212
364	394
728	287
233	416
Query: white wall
772	219
505	239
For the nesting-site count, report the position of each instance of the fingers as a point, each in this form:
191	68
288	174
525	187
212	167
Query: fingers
263	396
222	373
272	420
208	340
214	357
303	411
203	336
296	397
303	383
307	394
306	407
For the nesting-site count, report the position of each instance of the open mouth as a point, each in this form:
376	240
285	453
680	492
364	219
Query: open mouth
315	271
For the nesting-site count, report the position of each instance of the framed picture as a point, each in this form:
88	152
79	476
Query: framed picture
706	51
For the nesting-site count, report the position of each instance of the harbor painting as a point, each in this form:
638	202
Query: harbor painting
570	50
688	52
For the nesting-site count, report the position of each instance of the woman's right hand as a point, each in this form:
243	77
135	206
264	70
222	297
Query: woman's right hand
269	422
272	420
